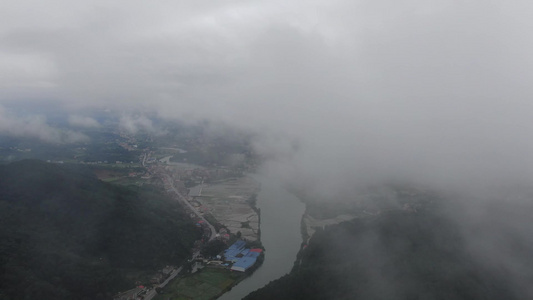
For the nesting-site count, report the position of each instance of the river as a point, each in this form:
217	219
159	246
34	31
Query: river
281	213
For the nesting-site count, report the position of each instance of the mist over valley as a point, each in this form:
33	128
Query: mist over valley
402	126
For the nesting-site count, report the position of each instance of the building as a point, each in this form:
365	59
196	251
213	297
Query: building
233	253
246	261
241	257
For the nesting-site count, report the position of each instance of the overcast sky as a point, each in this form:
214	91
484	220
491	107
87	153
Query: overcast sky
434	91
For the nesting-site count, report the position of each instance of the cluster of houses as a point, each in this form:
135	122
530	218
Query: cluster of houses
162	275
140	291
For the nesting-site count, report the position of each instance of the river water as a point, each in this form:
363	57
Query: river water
281	213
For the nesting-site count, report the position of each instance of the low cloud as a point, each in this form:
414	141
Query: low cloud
435	91
334	93
134	124
36	127
81	121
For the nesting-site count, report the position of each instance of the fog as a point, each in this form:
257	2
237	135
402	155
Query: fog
35	126
336	94
431	91
434	92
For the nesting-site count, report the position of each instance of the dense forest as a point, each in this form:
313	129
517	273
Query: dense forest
66	235
408	255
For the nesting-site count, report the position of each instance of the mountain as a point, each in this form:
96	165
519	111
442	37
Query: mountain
64	234
410	255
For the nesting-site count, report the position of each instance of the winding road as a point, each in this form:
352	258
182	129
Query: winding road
152	293
183	200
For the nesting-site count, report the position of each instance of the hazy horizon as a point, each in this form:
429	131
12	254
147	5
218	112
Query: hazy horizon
435	92
338	94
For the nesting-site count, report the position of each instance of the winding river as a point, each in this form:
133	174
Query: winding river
281	213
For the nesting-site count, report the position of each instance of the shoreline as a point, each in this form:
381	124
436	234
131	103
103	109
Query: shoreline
251	203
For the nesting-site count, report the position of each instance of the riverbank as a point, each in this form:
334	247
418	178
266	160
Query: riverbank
281	213
230	205
208	282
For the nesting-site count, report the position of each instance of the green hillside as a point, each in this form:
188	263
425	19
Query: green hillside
66	235
403	255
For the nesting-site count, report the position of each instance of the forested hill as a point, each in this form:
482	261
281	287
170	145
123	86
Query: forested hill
66	235
403	255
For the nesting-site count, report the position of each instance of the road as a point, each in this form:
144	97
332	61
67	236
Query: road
185	202
144	159
152	293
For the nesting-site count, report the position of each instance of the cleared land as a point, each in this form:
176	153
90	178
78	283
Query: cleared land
230	203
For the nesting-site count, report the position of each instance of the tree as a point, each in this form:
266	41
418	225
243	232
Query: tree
213	248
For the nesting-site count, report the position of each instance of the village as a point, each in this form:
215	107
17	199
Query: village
236	258
221	203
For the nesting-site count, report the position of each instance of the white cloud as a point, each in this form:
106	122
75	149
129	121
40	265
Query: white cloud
338	92
81	121
26	71
433	90
134	124
36	127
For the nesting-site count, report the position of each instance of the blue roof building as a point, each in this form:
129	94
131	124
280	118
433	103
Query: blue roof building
234	252
241	257
246	262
